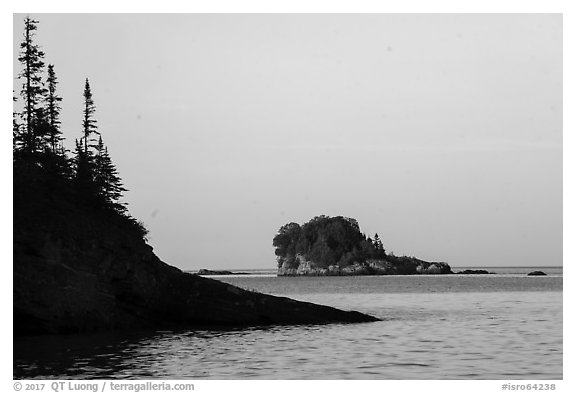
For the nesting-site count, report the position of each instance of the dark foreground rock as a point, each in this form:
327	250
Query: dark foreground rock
537	273
65	284
84	270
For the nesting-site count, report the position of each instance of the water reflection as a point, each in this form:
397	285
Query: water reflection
142	354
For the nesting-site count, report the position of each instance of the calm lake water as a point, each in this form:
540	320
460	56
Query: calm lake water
500	326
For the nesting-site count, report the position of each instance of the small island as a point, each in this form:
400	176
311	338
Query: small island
474	271
208	272
335	246
537	273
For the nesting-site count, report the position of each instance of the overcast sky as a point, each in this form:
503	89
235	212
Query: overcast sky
443	133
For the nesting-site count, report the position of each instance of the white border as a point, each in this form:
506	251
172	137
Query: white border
308	6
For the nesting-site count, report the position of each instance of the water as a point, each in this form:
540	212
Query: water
502	326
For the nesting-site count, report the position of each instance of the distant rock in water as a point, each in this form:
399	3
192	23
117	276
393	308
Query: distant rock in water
81	269
472	271
537	273
206	272
334	246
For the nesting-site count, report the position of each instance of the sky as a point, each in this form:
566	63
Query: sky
440	132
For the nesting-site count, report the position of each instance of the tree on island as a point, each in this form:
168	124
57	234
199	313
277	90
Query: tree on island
96	175
33	90
54	153
89	123
378	243
39	137
53	111
84	160
108	184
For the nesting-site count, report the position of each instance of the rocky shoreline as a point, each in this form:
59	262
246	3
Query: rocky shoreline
400	266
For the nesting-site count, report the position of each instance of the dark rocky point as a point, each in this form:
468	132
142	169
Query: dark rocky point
83	269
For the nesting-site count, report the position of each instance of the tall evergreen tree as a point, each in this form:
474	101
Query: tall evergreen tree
89	123
378	243
84	157
33	91
53	111
106	179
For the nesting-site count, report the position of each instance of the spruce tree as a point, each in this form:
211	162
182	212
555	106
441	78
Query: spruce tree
53	111
33	91
108	183
378	244
84	160
89	123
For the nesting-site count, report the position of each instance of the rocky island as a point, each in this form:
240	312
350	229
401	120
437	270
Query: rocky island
335	246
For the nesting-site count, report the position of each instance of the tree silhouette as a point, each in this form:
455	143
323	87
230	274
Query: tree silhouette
41	165
378	243
33	91
84	157
108	184
89	123
53	111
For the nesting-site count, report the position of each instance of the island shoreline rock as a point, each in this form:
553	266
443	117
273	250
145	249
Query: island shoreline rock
372	267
